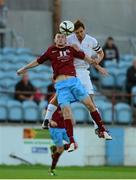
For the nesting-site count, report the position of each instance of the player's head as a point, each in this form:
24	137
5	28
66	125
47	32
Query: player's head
60	40
79	30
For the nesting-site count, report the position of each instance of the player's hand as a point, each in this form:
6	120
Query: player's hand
21	71
75	47
103	71
53	123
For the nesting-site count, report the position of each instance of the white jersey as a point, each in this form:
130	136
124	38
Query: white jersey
89	45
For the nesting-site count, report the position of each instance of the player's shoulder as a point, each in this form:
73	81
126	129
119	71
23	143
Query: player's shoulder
90	38
51	47
71	36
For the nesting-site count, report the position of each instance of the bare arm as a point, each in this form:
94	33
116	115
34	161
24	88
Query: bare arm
90	60
28	66
102	70
100	56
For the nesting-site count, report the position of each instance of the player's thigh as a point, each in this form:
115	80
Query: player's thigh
84	76
66	111
63	96
79	91
57	136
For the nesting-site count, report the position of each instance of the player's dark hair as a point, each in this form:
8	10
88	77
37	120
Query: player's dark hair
78	24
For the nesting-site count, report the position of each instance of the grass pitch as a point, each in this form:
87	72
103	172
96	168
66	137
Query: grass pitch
88	172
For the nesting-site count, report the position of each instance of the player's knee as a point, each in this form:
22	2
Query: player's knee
60	149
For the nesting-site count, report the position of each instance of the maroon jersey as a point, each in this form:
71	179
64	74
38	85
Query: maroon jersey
61	59
58	118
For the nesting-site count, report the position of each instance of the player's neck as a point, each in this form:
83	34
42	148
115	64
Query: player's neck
81	39
60	46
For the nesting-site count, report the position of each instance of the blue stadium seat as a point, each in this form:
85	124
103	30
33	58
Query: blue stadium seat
1	58
8	50
42	106
80	113
120	80
123	113
30	111
44	89
15	113
124	65
19	65
133	91
106	110
9	58
99	97
5	66
37	83
94	73
7	82
110	64
2	74
20	51
108	81
3	110
25	58
127	57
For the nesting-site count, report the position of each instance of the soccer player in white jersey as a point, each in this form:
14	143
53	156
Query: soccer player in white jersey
80	40
89	45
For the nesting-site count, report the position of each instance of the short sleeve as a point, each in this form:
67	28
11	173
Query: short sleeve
96	46
44	57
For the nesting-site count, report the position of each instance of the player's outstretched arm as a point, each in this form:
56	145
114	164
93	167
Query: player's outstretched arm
28	66
100	55
90	60
102	70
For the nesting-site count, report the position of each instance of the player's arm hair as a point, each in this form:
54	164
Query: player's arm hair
90	60
100	55
101	70
31	65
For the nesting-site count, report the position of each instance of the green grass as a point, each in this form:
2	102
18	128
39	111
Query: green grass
88	172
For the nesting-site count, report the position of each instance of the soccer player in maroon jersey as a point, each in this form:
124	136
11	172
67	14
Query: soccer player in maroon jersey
68	86
58	134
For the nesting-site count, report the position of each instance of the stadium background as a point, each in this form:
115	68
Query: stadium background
30	32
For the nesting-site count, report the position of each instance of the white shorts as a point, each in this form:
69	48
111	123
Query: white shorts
84	76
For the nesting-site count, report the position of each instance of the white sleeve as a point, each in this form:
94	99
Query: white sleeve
96	46
69	40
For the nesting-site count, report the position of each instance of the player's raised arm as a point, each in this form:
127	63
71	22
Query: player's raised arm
28	66
34	63
90	60
100	55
